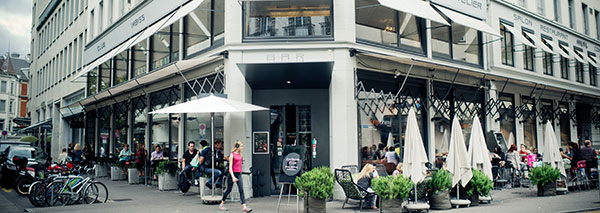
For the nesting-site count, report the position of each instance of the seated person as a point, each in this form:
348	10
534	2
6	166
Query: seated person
364	181
188	156
208	166
398	170
124	157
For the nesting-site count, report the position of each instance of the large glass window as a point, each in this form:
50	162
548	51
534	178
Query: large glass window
386	26
139	114
92	82
440	39
165	46
120	120
507	117
579	71
104	131
547	63
593	75
203	28
299	18
120	68
105	73
528	57
90	130
564	67
565	125
507	46
164	127
465	44
138	59
529	125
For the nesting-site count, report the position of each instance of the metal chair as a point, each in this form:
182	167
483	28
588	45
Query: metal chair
352	168
351	189
381	171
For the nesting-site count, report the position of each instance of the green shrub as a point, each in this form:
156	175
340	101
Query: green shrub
29	139
318	182
166	167
480	183
440	181
544	174
392	187
402	186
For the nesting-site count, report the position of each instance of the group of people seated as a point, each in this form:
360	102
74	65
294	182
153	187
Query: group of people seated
388	156
205	165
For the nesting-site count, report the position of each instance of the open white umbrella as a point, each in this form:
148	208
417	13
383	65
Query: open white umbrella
458	162
478	153
415	156
210	104
550	151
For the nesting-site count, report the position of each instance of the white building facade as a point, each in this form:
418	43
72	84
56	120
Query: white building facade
337	75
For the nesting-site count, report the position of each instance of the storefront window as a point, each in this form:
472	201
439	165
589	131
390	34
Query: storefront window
440	40
120	68
164	127
90	129
578	71
161	44
547	111
564	68
528	57
548	63
138	59
197	125
507	46
529	125
565	124
507	117
105	71
593	75
382	25
465	44
204	26
300	18
92	82
120	112
104	131
139	113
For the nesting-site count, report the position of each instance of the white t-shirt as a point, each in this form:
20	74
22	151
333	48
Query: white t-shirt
391	157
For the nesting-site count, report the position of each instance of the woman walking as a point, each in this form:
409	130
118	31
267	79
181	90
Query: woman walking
235	176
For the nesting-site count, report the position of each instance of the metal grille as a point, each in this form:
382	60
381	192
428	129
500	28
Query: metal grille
138	105
205	85
377	103
166	97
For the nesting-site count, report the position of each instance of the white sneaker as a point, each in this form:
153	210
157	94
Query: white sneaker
195	182
222	207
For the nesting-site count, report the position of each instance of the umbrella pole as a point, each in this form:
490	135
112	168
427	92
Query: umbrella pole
415	193
212	146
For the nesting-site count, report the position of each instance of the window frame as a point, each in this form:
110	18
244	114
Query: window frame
548	66
183	33
503	33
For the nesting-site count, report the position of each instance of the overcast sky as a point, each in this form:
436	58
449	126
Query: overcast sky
15	26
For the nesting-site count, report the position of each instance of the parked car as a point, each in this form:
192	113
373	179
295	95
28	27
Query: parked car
11	171
5	144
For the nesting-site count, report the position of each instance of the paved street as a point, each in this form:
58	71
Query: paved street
139	198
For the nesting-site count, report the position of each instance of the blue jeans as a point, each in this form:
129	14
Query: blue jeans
188	170
218	174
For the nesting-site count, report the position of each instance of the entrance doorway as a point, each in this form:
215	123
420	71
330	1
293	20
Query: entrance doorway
292	124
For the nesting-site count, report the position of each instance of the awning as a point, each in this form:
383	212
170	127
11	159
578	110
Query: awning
71	111
591	60
468	21
518	35
564	52
47	124
415	7
579	56
538	42
146	33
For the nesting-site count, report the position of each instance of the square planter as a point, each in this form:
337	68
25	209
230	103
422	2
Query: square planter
133	176
115	173
313	205
393	205
167	181
548	189
440	201
101	170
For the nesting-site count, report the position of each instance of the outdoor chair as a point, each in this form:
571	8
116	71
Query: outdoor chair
351	189
352	168
381	171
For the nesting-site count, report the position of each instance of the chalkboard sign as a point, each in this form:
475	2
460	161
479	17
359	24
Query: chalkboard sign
292	163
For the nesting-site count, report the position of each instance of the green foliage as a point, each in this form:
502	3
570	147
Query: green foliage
422	189
544	174
318	182
391	187
29	139
480	183
117	163
440	181
166	167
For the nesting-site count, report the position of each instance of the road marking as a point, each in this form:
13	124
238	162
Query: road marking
6	190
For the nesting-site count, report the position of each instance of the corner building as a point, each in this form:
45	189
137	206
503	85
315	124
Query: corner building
336	74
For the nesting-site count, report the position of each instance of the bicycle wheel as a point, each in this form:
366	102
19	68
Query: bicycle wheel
102	192
58	194
33	193
90	193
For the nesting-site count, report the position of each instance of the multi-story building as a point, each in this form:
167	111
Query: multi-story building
58	38
13	93
337	75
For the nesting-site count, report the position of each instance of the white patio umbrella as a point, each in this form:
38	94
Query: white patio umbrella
550	151
458	162
390	140
445	141
478	153
210	104
414	152
511	140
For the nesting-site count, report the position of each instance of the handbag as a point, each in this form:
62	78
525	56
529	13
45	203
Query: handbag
195	163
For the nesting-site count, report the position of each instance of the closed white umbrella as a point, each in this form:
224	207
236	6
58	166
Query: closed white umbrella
390	140
210	104
550	151
445	141
415	156
511	140
458	162
478	152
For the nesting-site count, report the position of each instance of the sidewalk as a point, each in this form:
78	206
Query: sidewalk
139	198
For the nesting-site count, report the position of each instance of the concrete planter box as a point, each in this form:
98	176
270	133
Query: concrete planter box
440	201
314	205
393	205
132	175
115	173
167	181
101	170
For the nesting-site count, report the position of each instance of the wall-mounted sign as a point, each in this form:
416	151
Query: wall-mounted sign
260	142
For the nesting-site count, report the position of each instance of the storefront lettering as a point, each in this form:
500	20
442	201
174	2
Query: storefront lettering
472	3
100	46
476	8
552	31
286	57
523	20
582	43
138	20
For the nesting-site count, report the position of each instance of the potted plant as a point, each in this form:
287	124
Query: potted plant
115	171
479	184
392	191
315	186
166	175
545	178
440	183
